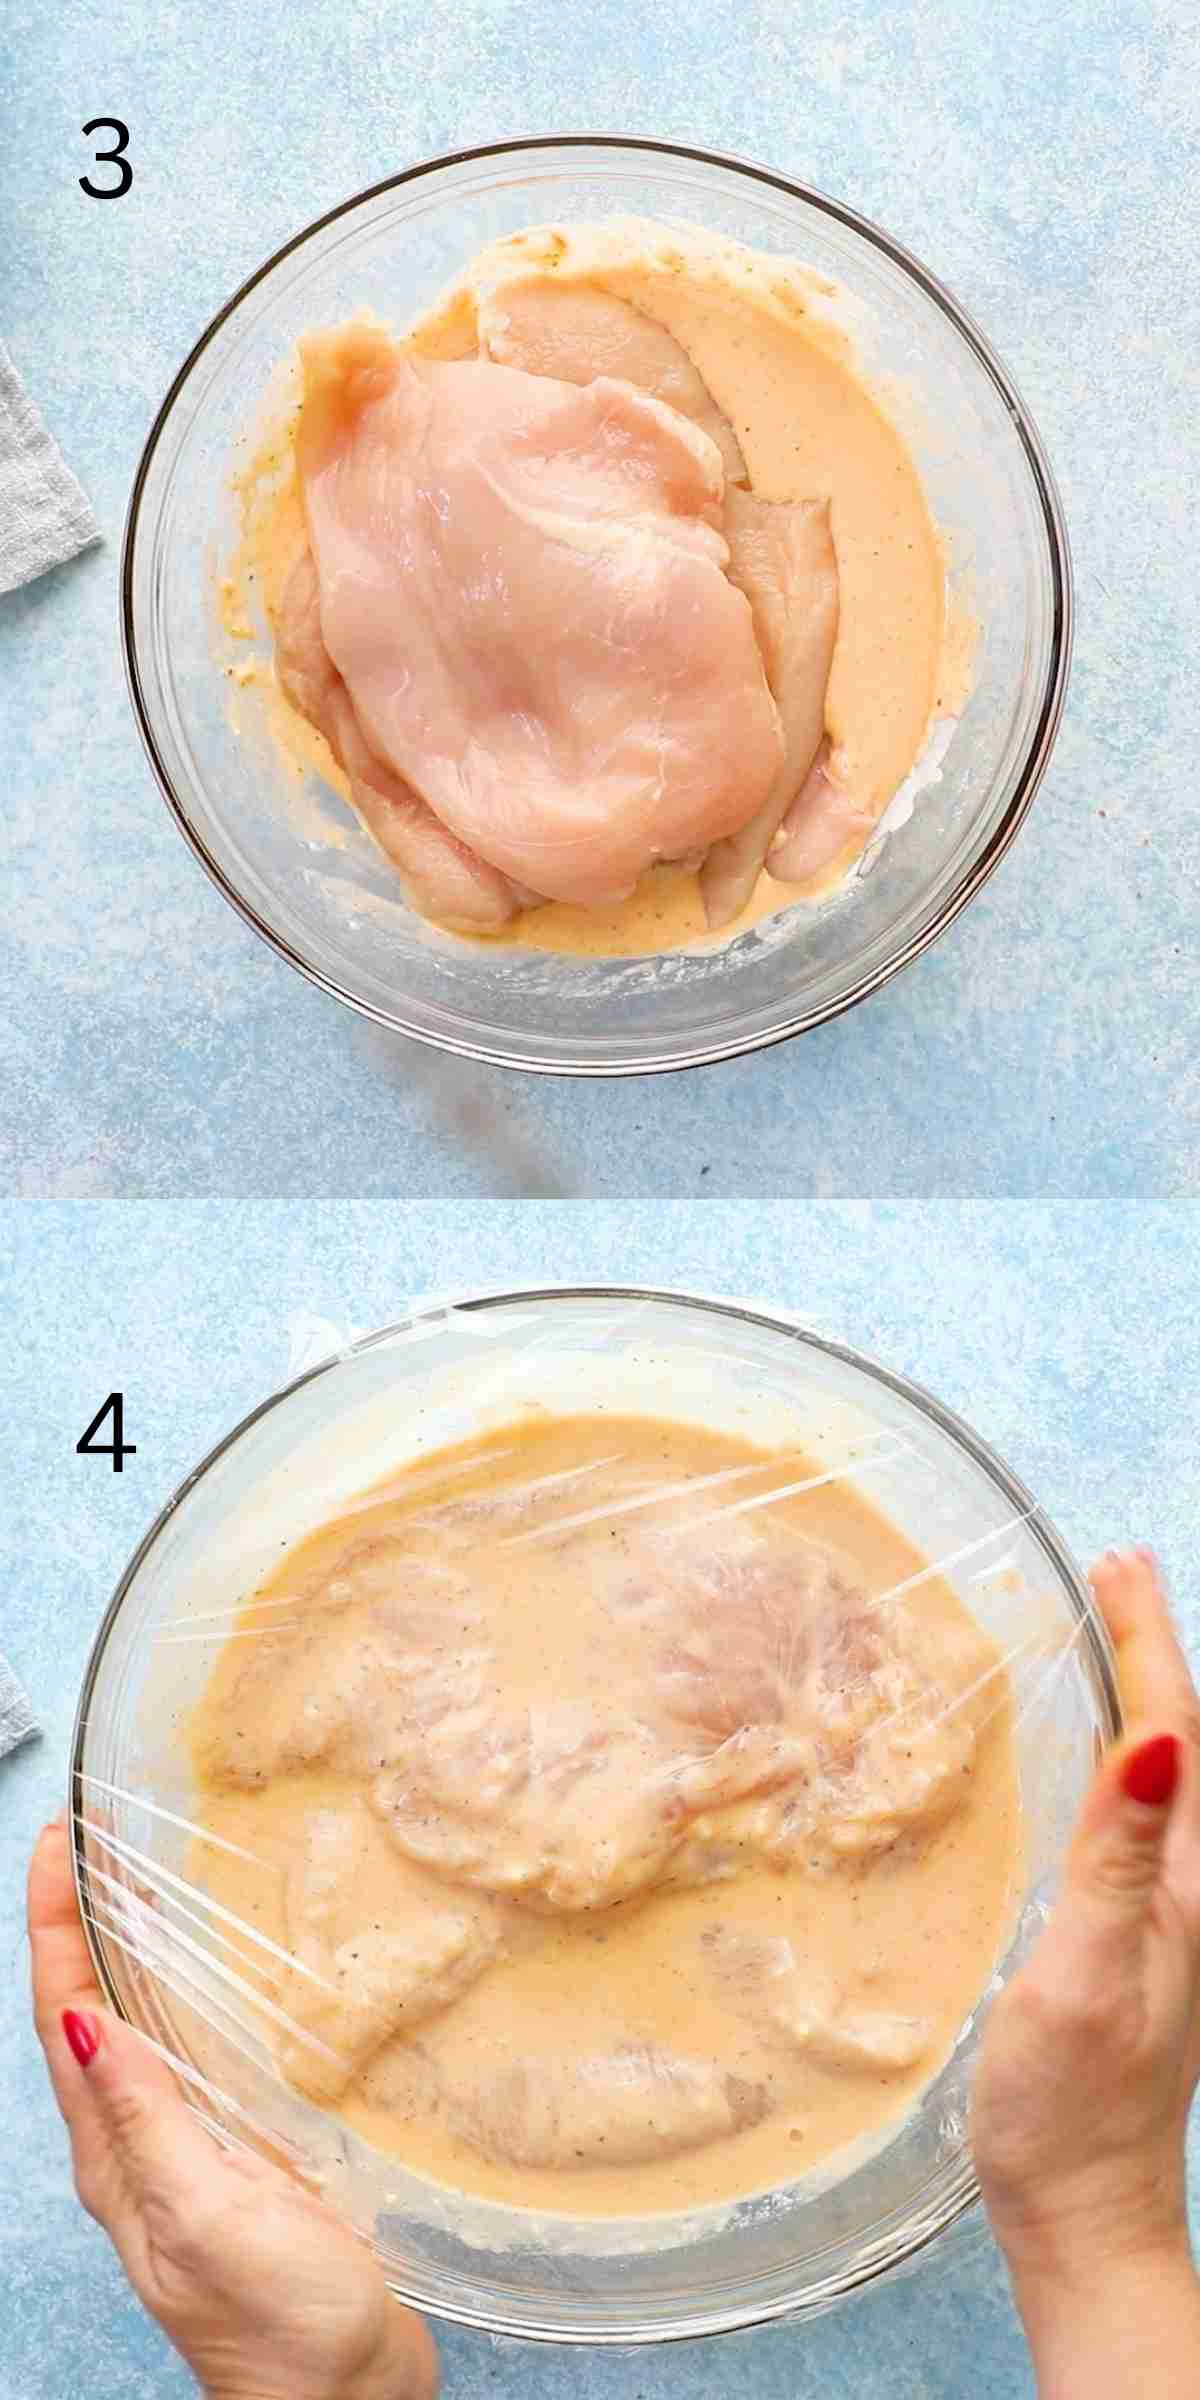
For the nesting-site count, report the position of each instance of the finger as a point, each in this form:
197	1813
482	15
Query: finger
122	2104
64	1981
1115	1864
61	1964
1155	1681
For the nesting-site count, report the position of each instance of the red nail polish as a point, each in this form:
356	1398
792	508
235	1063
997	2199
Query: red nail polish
1151	1772
83	2035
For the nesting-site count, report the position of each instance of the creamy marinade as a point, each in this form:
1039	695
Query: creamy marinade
634	1848
803	425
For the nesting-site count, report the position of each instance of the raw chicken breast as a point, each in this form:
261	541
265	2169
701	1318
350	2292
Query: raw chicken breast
797	2006
577	331
738	1631
522	586
937	1685
820	822
378	1651
616	2109
444	879
781	556
775	1714
290	1703
592	1792
843	1725
563	1807
355	1986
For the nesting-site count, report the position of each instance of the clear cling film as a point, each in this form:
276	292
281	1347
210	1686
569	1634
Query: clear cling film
572	1795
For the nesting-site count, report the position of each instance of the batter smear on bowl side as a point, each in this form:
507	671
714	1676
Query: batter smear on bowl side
633	1842
607	594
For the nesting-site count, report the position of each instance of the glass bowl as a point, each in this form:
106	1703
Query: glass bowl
162	1955
333	907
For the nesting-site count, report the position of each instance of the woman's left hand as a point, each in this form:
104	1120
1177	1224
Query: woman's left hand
266	2294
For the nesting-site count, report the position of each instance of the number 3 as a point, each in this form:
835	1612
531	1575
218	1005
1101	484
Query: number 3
110	191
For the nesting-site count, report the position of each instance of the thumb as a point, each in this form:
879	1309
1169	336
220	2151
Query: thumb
1116	1856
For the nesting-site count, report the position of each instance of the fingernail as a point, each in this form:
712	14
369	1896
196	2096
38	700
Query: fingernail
83	2035
1151	1772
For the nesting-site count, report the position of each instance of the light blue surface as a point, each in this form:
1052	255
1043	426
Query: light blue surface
1045	164
1068	1336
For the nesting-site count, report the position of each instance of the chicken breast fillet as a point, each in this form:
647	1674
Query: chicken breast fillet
445	880
820	822
523	589
355	1985
796	2004
617	2108
577	331
780	1715
781	556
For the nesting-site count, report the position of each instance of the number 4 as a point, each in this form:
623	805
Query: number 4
118	1449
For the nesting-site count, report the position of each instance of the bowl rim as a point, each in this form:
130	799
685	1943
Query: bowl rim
1094	1639
1038	747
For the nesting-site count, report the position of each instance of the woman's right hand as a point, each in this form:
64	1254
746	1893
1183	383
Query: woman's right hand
1092	2054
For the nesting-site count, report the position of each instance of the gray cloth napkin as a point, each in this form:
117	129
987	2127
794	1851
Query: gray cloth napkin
16	1715
44	517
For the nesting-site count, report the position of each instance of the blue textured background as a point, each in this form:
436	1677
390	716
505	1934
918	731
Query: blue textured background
1068	1335
1045	162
